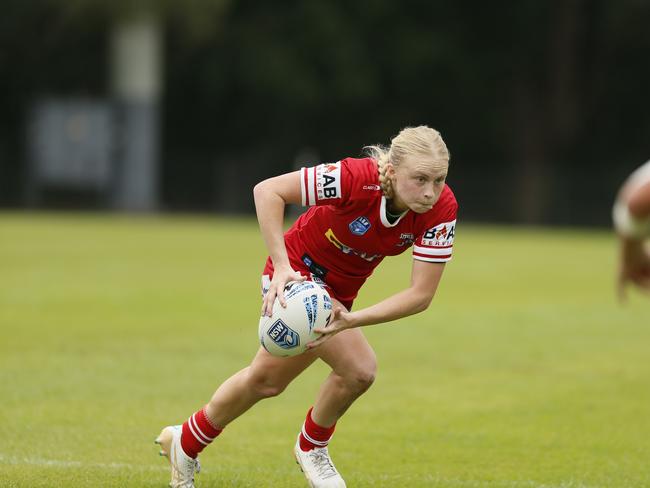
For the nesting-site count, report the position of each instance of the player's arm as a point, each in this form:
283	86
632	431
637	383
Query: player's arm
425	277
271	197
638	202
632	222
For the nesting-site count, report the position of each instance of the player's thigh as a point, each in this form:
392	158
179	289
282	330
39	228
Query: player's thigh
278	371
348	353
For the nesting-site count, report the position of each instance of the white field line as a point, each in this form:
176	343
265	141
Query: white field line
55	463
461	483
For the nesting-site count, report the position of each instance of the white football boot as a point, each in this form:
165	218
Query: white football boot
318	467
183	466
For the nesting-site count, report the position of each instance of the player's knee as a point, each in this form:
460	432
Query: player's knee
268	391
361	378
364	379
265	387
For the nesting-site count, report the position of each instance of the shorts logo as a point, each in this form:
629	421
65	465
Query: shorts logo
283	335
315	268
359	226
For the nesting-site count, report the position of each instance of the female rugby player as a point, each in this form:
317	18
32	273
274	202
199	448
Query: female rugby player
360	211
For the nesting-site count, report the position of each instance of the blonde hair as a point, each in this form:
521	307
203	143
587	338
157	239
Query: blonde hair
422	142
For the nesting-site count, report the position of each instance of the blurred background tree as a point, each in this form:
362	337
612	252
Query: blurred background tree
544	105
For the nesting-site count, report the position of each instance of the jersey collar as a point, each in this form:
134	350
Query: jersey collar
382	214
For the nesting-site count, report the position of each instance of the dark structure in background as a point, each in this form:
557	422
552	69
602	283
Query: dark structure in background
69	149
544	105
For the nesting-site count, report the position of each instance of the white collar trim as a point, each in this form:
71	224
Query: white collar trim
382	214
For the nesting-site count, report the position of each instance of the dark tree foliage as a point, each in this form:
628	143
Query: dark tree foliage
544	105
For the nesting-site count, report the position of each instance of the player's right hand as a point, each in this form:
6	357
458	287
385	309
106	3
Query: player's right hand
281	276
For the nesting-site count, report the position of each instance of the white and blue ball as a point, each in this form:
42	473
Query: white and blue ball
288	330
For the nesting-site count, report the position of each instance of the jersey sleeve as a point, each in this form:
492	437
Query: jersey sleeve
435	244
328	183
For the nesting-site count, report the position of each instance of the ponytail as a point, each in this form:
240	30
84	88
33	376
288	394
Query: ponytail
382	156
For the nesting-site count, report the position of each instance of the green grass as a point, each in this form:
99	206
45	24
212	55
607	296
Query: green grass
525	372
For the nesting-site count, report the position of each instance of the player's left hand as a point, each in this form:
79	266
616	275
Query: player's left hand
339	321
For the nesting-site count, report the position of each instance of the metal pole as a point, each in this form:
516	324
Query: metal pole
136	62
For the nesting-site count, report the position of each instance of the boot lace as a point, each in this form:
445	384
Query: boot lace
181	473
322	462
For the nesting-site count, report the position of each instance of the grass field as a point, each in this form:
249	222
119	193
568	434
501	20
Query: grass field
524	373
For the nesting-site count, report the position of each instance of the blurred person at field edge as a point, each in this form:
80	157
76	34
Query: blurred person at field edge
632	223
360	210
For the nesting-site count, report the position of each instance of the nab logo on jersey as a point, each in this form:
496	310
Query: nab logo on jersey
329	191
359	226
328	181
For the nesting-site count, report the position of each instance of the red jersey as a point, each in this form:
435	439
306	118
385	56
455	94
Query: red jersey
345	233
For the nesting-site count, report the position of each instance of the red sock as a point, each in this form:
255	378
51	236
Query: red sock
198	432
313	435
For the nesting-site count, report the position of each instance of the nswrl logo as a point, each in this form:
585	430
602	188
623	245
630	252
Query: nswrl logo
359	226
283	335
